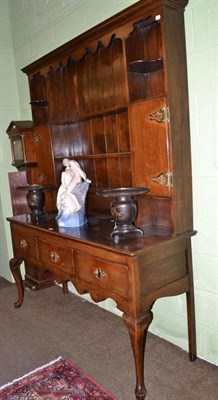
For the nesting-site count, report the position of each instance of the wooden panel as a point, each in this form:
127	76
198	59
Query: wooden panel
153	273
161	212
86	137
144	46
111	133
150	146
98	136
71	90
102	176
18	197
119	73
152	42
74	139
122	131
145	211
107	77
45	155
126	172
38	94
114	273
114	171
97	205
93	82
177	88
60	140
39	115
56	95
29	148
58	170
38	87
89	167
82	82
135	44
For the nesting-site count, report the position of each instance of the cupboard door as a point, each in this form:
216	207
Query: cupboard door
44	155
149	133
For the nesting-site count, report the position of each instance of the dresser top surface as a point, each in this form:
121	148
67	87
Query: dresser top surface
97	233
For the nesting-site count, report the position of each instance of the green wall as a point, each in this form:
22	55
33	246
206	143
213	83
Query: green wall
36	27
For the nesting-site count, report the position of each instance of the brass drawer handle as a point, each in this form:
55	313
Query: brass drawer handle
23	243
99	274
54	256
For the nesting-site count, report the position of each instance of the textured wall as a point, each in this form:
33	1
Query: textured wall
201	21
37	29
9	109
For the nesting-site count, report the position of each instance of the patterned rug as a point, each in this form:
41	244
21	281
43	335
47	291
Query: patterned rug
60	379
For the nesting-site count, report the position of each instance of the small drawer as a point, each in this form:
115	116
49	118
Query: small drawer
24	244
107	275
58	257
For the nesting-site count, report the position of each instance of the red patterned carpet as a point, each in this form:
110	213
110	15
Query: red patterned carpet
59	379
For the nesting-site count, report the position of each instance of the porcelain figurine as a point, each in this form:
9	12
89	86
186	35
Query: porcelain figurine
71	195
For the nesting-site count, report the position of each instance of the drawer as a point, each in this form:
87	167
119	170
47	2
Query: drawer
58	257
24	243
110	276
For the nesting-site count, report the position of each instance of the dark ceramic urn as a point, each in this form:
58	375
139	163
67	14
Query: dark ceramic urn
124	210
35	199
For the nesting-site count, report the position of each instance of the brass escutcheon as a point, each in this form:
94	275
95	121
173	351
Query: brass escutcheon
23	243
99	274
54	256
37	138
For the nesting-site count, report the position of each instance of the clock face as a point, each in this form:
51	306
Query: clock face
18	149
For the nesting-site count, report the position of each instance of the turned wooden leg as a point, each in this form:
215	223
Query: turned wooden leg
65	287
15	269
191	308
137	329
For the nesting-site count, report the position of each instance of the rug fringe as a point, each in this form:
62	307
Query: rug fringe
30	373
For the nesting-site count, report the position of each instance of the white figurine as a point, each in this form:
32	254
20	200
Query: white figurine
71	195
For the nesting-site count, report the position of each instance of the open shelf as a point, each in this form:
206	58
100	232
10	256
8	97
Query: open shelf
39	103
91	115
145	67
95	156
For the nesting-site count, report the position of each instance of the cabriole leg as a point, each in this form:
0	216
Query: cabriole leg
191	307
137	329
15	269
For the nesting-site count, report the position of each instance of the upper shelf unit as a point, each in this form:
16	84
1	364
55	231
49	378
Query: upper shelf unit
116	99
96	83
104	78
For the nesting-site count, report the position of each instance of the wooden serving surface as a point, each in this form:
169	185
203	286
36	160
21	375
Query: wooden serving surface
97	233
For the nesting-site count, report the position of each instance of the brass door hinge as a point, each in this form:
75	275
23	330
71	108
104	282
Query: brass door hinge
163	179
41	178
161	115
